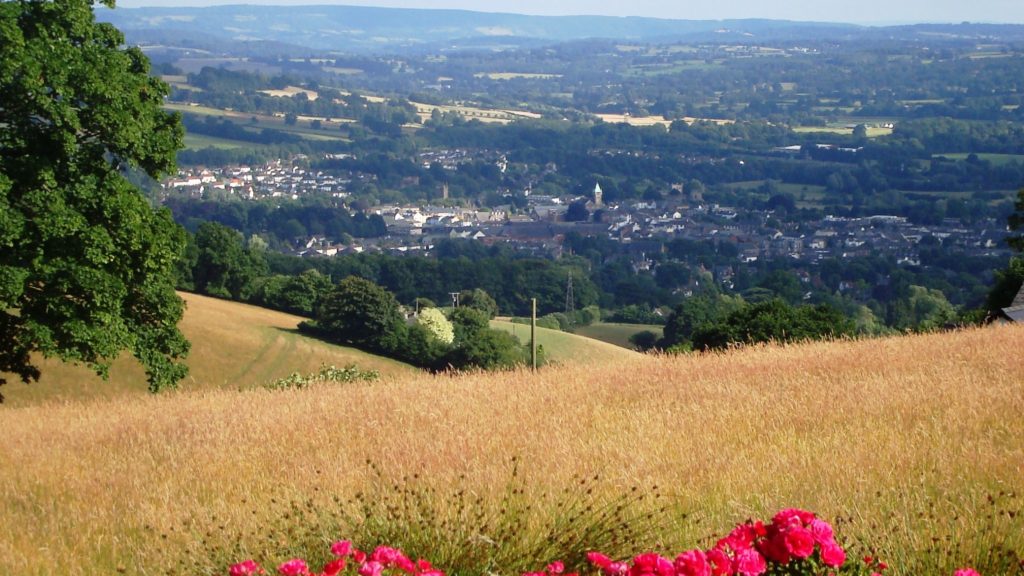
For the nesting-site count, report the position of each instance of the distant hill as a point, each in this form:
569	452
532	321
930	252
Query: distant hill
368	29
233	346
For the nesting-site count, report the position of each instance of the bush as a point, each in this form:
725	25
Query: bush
326	374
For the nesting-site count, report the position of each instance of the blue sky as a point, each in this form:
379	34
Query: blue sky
854	11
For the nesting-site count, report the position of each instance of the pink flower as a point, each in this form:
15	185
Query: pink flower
556	567
792	517
598	560
742	537
341	548
799	542
692	563
651	564
294	567
750	563
966	572
821	530
432	572
721	564
245	568
371	568
334	567
386	555
358	555
616	569
832	555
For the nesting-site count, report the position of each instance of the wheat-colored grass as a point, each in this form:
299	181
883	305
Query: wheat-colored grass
908	436
234	346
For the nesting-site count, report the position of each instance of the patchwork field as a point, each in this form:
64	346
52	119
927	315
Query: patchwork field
913	445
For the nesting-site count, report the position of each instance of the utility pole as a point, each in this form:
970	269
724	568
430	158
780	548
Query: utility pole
570	301
533	335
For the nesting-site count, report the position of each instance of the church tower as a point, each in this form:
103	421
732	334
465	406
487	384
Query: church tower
598	194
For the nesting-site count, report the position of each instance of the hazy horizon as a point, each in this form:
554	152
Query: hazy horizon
876	12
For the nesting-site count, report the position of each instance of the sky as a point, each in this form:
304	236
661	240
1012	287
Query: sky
849	11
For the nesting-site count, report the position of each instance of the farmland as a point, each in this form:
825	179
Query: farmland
905	439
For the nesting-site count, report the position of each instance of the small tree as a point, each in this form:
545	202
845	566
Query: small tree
480	300
362	314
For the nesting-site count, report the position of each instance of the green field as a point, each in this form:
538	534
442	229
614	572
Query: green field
234	346
995	159
199	141
617	333
873	131
565	348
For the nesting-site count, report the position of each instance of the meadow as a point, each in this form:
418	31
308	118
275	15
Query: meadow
912	445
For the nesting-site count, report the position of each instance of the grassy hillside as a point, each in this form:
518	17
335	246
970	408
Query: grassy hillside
233	346
617	333
916	442
565	348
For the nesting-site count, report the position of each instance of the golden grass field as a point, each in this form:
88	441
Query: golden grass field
233	346
905	438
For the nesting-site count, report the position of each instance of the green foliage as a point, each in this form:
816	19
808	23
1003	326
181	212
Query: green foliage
773	321
695	312
86	265
300	294
224	266
362	314
467	322
923	309
491	350
1016	222
480	300
1008	283
644	340
326	374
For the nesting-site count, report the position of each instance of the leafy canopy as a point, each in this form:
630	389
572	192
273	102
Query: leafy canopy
86	265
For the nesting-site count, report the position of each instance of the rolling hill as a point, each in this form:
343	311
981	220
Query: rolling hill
233	346
565	348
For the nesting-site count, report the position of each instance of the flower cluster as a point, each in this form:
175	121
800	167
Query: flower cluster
794	542
378	563
794	538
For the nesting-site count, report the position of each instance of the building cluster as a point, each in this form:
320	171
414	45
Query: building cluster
539	223
276	179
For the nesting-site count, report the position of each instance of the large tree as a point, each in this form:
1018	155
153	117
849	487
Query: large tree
86	264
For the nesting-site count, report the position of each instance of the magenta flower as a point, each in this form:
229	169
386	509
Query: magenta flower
341	548
799	542
371	568
334	567
966	572
750	563
556	567
294	567
245	568
832	555
721	564
692	563
821	530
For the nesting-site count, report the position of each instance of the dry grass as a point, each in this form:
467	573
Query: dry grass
907	436
233	346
